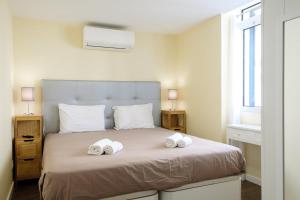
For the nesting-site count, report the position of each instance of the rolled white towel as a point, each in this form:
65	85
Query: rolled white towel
171	141
98	147
113	148
184	142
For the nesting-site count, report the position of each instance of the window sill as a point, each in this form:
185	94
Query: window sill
246	127
251	109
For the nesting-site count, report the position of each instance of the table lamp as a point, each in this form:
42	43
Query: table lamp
172	96
27	95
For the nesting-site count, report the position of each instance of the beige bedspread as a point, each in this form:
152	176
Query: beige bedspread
143	164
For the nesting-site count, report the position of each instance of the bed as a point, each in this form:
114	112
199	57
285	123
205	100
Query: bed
144	169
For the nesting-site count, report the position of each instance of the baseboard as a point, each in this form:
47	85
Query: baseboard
253	179
10	192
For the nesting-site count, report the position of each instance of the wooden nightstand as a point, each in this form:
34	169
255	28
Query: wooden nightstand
28	147
174	120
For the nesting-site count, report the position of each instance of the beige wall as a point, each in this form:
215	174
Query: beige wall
253	159
47	50
6	100
199	78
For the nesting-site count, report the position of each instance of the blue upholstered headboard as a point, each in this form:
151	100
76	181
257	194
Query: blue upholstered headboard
109	93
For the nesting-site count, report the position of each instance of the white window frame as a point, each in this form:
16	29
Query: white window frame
246	24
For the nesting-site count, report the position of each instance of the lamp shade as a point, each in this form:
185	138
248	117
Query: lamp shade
27	93
172	94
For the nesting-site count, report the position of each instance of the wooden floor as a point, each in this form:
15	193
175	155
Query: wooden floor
250	191
28	190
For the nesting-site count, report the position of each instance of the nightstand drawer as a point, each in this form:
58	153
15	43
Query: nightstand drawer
173	120
29	148
28	127
179	129
28	168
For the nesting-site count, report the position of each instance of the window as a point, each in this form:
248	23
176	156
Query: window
251	28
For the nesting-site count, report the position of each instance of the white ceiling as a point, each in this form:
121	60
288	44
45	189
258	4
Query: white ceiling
166	16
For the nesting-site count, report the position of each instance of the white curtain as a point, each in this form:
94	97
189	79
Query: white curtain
235	71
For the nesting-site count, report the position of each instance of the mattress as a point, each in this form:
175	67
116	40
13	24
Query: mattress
144	164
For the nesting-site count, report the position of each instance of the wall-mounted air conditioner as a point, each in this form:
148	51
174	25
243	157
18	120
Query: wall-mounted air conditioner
103	38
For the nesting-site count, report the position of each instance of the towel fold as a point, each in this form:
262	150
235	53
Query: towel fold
98	147
113	148
171	141
184	142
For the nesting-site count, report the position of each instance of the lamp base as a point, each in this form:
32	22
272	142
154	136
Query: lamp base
29	114
173	108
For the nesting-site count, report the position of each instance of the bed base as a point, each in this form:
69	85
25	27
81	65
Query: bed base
228	188
146	195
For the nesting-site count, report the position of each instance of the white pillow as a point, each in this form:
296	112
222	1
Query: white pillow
74	118
135	116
